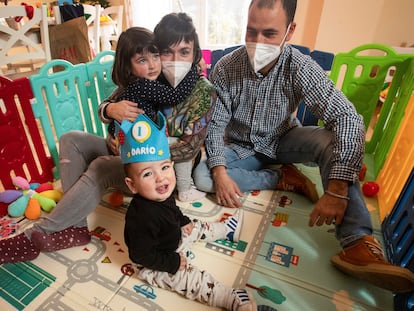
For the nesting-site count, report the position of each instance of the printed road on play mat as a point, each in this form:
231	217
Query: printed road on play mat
280	260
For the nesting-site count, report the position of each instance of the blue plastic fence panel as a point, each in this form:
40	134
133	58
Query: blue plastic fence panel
58	101
303	49
100	86
398	233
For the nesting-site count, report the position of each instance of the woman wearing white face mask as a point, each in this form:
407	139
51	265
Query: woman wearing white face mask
177	41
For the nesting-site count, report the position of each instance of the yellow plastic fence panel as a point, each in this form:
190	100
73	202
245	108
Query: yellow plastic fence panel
399	163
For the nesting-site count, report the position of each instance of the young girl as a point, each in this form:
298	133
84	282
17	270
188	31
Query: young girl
148	93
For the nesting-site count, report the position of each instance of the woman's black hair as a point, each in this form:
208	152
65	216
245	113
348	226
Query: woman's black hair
174	28
131	41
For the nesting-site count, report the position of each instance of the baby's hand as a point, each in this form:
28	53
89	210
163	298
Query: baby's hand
188	228
183	261
112	144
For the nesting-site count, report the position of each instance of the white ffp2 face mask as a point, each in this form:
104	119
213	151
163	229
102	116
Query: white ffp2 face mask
175	72
261	54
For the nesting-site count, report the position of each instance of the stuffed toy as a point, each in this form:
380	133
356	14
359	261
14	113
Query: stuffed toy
29	199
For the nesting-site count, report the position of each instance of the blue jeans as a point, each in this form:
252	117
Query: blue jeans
299	145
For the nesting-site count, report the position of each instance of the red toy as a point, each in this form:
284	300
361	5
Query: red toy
370	188
116	199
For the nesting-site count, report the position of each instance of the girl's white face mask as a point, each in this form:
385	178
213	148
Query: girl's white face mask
261	54
175	72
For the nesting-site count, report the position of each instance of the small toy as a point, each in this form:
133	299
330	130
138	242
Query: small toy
146	290
370	188
116	199
362	172
27	200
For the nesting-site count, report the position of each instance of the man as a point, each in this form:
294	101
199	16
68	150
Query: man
259	87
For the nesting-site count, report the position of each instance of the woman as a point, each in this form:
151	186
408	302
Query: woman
97	165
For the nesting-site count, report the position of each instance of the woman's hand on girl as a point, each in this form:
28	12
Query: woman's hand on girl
123	110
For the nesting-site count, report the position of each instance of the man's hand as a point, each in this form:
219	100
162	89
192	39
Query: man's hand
227	191
123	110
330	209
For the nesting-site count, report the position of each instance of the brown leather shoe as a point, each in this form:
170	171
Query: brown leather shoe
365	260
294	181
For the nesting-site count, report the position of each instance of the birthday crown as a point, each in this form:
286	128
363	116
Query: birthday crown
142	140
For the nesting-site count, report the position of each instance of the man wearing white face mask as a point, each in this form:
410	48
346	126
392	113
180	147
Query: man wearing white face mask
259	87
262	54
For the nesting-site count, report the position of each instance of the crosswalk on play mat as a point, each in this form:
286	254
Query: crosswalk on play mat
280	260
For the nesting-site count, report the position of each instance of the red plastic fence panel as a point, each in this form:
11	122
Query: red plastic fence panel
22	152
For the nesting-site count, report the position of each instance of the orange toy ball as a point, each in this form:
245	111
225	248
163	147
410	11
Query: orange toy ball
32	209
116	199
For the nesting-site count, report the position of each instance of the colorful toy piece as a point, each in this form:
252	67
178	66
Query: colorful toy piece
116	199
27	201
370	188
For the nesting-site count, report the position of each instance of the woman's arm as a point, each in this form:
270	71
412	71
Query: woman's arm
159	92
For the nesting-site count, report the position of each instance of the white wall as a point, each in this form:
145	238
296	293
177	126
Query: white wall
347	24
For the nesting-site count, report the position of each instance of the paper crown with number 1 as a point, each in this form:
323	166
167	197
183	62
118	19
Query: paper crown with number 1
142	140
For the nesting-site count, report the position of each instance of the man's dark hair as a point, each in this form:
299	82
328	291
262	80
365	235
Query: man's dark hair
288	5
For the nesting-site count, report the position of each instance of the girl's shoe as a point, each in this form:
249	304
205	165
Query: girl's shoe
17	249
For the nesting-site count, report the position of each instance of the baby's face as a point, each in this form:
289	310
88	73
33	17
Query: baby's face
154	181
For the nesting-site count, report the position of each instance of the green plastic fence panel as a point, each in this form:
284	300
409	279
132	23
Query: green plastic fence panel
361	75
58	101
100	86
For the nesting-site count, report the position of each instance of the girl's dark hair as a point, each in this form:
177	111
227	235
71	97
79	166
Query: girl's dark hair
131	41
174	28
